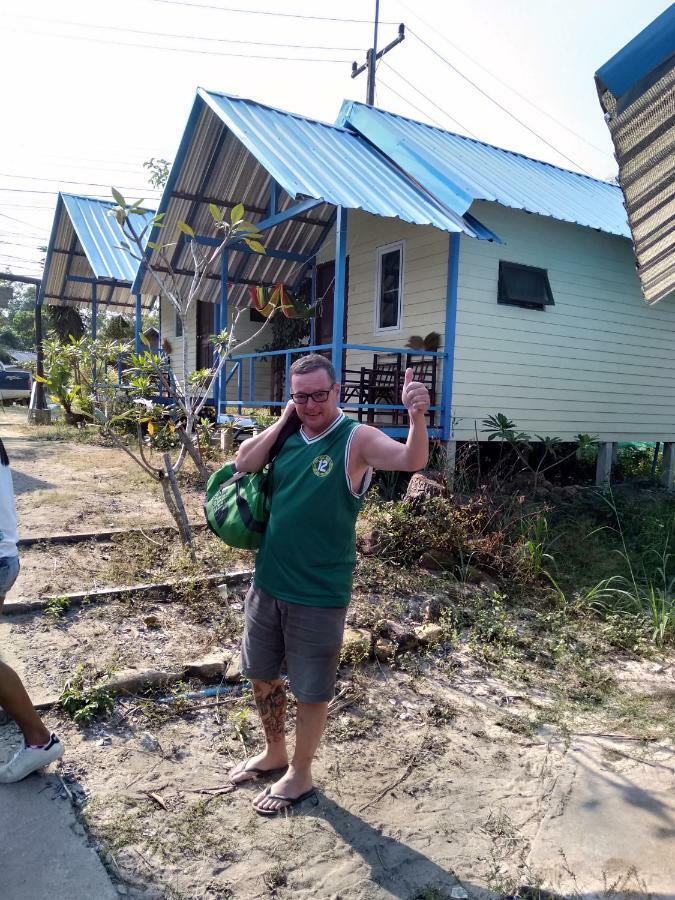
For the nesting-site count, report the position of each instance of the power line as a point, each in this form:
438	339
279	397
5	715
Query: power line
26	205
265	12
92	195
188	37
89	195
79	37
21	259
76	183
505	84
31	225
409	102
429	100
496	102
28	246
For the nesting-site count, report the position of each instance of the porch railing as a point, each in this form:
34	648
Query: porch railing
241	365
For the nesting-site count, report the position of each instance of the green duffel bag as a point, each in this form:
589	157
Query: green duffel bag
238	503
237	506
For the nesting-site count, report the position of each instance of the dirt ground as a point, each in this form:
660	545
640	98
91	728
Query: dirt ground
438	777
75	487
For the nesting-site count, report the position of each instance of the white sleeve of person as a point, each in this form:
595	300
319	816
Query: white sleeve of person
8	532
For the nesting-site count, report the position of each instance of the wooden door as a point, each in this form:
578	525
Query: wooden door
205	328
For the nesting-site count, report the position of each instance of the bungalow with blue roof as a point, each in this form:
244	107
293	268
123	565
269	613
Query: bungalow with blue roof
401	229
87	265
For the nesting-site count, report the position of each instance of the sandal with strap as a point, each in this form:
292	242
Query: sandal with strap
253	772
288	802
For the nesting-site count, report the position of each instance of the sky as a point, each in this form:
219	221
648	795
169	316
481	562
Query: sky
93	88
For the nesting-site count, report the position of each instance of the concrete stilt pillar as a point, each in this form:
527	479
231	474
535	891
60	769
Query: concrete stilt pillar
450	463
603	471
668	466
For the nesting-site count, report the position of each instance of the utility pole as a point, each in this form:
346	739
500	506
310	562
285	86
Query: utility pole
39	411
372	56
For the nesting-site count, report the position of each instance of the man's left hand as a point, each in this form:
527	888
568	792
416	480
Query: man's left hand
415	396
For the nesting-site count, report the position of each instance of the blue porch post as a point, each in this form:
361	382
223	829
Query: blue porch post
312	303
93	309
214	361
450	331
222	322
137	324
93	327
339	291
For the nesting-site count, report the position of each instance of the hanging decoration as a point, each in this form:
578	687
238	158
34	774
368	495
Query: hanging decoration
265	300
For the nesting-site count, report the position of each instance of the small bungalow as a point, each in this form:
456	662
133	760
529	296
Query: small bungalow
518	273
86	264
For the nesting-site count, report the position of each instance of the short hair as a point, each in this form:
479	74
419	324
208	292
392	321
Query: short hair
312	362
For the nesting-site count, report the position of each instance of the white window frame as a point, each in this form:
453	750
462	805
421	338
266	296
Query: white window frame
388	248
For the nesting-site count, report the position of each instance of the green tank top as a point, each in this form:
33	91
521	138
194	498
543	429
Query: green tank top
308	550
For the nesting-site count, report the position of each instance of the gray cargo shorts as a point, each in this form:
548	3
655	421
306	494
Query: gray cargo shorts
308	638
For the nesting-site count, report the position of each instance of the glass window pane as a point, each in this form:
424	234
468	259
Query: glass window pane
390	268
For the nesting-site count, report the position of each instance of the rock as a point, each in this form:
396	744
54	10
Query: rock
421	488
570	492
211	666
438	604
356	646
430	634
385	650
370	542
404	638
476	577
458	893
150	742
152	621
233	672
437	560
131	681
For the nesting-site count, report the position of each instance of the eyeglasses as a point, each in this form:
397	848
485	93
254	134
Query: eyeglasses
317	396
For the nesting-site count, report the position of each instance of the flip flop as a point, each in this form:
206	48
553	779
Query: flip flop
289	801
254	772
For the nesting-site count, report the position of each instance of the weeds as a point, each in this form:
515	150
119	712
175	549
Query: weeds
647	594
57	607
85	704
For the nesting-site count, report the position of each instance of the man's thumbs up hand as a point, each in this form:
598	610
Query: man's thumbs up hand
415	396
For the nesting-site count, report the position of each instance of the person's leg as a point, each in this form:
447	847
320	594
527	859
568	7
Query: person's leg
16	702
13	696
262	653
41	747
270	699
309	726
313	641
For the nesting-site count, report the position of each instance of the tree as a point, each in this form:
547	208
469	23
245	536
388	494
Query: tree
19	318
117	328
65	322
159	171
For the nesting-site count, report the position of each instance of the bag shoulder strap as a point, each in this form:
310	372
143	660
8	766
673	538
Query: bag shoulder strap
290	427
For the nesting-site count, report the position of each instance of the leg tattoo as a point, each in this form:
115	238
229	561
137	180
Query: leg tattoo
270	698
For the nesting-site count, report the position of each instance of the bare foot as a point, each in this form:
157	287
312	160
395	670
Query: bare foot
291	785
259	766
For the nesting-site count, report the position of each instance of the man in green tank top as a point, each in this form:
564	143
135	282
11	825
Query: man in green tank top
295	610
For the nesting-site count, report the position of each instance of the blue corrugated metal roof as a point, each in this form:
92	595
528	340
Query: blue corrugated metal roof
101	237
459	170
314	159
639	57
